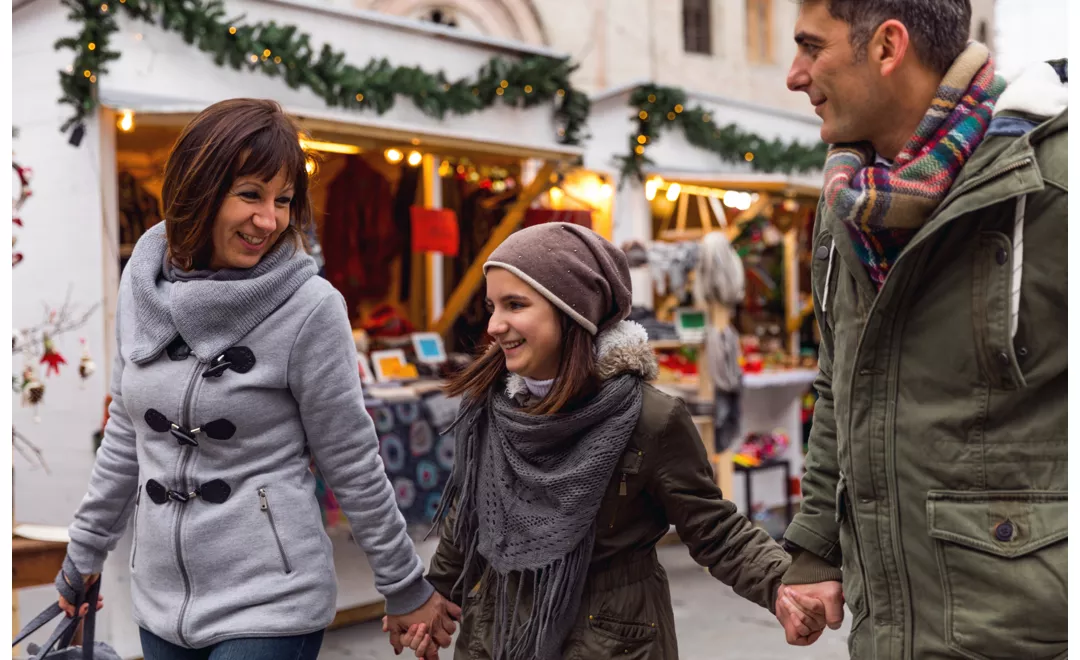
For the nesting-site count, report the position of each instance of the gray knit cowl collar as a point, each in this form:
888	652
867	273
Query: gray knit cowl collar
211	314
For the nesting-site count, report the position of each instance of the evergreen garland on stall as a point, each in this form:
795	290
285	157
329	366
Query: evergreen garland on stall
282	50
664	108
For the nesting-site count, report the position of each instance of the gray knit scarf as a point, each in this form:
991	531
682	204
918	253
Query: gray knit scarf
210	313
527	489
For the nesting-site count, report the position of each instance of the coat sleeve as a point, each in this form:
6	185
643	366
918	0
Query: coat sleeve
324	378
448	562
815	527
736	552
104	512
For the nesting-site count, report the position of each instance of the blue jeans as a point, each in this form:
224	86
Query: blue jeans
298	647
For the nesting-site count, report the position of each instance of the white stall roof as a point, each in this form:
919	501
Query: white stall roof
613	121
159	73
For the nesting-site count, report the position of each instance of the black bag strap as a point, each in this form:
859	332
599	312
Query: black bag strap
65	630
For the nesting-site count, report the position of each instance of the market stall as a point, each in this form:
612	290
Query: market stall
688	165
457	137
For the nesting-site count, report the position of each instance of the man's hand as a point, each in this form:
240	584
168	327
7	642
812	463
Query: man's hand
805	610
438	616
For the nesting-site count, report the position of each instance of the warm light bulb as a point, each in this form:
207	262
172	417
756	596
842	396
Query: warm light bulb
605	190
650	188
556	195
673	192
127	121
309	165
393	156
731	199
415	157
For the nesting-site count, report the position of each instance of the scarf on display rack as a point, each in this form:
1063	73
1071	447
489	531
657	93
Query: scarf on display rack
884	207
527	489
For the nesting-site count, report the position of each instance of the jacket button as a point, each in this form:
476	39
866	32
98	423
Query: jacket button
1003	358
822	252
1004	531
1002	256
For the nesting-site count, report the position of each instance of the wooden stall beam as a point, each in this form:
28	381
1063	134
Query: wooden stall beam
470	282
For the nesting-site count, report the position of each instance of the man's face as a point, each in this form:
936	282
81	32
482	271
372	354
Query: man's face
845	90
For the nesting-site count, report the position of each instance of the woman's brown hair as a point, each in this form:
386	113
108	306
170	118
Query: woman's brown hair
576	381
226	141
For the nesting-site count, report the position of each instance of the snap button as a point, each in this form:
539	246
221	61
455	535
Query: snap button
1022	351
1002	256
1003	358
1004	531
822	252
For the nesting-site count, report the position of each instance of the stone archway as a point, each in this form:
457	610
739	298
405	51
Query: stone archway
508	19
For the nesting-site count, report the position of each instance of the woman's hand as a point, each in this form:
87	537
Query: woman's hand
69	609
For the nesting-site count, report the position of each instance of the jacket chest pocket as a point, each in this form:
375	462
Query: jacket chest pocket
629	466
1003	563
996	305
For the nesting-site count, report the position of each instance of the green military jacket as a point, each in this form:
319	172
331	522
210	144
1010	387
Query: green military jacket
937	463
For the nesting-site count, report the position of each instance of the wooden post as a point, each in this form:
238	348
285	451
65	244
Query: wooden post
436	293
470	282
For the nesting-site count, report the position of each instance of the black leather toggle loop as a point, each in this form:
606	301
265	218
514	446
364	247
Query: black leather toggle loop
219	429
158	493
214	492
178	350
157	421
238	358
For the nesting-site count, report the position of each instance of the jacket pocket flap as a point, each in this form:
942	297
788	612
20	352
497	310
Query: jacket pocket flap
1003	523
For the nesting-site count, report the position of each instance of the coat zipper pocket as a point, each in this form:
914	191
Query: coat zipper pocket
622	493
135	528
264	504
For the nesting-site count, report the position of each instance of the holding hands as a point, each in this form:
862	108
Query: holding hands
805	609
424	630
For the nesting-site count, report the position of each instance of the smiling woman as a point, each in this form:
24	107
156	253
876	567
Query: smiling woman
235	369
235	185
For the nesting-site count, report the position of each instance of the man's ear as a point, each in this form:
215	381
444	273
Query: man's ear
889	46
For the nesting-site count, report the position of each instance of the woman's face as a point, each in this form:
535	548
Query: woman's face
526	326
250	220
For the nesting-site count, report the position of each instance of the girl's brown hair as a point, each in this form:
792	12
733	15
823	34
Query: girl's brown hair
575	382
226	141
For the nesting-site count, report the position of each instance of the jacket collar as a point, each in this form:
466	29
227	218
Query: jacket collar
623	348
211	315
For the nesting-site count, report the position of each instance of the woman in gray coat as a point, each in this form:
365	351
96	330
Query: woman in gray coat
235	367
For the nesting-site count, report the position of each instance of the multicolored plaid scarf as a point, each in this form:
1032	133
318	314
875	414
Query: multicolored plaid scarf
884	207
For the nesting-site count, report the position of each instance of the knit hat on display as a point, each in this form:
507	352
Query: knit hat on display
576	269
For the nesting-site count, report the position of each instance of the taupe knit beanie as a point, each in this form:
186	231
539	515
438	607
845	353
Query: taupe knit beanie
576	269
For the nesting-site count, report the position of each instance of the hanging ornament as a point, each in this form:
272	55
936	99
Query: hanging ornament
33	390
24	175
86	363
52	357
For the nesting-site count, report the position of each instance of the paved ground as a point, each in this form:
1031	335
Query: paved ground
713	623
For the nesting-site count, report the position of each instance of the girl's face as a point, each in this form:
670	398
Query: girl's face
526	326
252	216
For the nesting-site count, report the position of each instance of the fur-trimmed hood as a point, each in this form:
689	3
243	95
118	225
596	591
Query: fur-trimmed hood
1040	91
621	349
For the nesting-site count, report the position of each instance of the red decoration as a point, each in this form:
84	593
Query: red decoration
52	357
435	230
540	216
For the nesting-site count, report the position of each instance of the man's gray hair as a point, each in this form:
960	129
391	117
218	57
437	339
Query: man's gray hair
939	29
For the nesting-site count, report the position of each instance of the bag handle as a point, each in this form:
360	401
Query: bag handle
65	631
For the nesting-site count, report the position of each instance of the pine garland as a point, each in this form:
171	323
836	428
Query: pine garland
282	50
664	108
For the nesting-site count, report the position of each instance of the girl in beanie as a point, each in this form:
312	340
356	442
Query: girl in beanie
570	468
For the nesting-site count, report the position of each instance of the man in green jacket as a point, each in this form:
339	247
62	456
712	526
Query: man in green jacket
937	466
